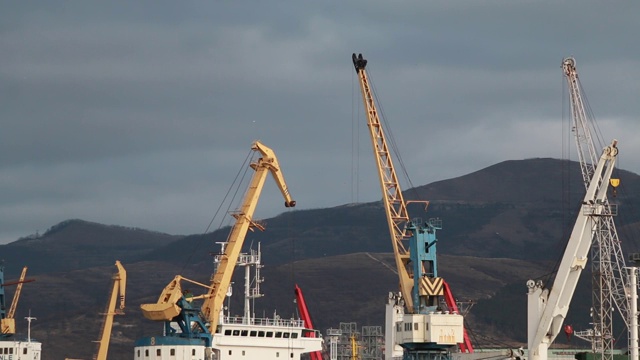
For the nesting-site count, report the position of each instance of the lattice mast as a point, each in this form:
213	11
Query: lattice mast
395	206
609	279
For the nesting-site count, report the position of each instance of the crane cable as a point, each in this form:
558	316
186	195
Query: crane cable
198	244
393	146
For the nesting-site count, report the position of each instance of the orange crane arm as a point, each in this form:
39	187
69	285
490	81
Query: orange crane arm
221	280
8	323
119	288
16	296
394	204
166	308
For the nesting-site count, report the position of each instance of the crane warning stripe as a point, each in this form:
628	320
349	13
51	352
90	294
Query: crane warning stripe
431	286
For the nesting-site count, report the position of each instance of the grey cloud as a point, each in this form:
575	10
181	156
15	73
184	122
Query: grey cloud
139	114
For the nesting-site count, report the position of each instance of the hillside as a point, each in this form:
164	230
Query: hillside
502	225
338	289
77	244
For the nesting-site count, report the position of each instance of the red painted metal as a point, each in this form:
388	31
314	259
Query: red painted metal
304	314
568	330
465	346
18	282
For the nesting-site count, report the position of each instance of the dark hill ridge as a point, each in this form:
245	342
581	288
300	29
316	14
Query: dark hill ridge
77	244
513	181
500	223
514	209
519	181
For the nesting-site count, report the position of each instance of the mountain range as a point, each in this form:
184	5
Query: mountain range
503	225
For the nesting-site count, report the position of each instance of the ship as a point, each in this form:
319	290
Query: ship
11	348
244	337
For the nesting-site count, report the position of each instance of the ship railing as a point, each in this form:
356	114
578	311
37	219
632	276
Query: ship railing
264	321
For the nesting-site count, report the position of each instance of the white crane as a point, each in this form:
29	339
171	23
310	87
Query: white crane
547	307
609	282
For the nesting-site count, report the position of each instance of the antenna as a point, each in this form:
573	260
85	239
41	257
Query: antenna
29	319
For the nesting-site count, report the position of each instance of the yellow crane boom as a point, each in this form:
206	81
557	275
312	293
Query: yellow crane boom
167	307
221	280
117	292
16	296
394	204
8	324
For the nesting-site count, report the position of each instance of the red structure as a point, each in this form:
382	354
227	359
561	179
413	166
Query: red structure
451	303
304	314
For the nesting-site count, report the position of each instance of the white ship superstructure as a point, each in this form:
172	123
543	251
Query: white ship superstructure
14	349
237	337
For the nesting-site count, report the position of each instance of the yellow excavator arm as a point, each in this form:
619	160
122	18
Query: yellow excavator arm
268	163
166	308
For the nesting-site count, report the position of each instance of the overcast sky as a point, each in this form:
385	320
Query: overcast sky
142	113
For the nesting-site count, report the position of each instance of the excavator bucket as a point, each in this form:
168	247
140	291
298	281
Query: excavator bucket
160	312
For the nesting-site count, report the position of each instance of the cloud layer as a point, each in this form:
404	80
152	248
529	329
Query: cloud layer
140	114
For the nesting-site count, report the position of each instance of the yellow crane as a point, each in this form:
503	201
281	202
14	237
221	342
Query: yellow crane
395	206
167	307
414	246
355	349
8	323
117	292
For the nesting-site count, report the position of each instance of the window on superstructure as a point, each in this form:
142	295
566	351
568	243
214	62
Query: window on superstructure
229	352
292	355
415	326
227	332
242	352
294	335
172	352
158	352
285	335
277	354
24	351
236	332
260	333
278	334
253	333
137	352
193	352
269	333
244	332
146	352
10	351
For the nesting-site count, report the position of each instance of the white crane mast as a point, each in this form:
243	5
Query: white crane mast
609	282
547	307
